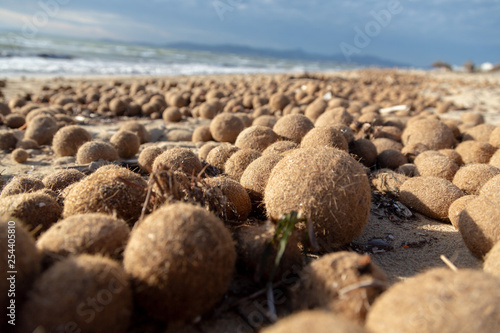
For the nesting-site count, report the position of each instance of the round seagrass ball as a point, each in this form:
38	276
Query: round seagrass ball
238	204
147	158
225	127
256	175
479	224
316	321
202	134
126	143
110	190
322	281
293	127
60	179
23	184
475	152
86	292
206	148
68	139
325	136
95	150
218	156
19	155
430	196
37	210
137	128
178	159
491	185
93	233
439	300
256	137
432	163
280	147
364	151
492	261
41	129
239	161
28	265
471	177
430	132
180	254
456	208
325	184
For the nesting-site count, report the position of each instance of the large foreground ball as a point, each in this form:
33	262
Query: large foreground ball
325	184
109	190
314	321
86	292
439	300
323	282
28	259
181	260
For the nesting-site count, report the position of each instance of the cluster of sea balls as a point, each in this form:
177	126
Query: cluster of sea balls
171	238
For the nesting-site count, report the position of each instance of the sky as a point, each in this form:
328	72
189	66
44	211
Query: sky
417	32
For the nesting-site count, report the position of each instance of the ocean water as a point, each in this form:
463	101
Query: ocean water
55	56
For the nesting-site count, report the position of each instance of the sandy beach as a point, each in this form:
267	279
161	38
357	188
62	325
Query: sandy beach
401	240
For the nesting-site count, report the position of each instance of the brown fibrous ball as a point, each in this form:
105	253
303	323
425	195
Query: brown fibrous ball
280	147
95	150
433	163
471	177
206	148
86	292
313	181
68	139
238	162
24	184
41	129
322	283
93	233
202	134
126	143
293	127
478	223
178	159
430	196
37	210
238	204
225	127
475	151
60	179
147	158
492	261
110	190
431	132
180	254
456	208
256	137
439	300
325	136
218	156
137	128
20	155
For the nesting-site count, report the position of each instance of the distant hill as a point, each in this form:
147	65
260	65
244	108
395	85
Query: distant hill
292	54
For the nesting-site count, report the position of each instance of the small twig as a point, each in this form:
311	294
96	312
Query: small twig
449	263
